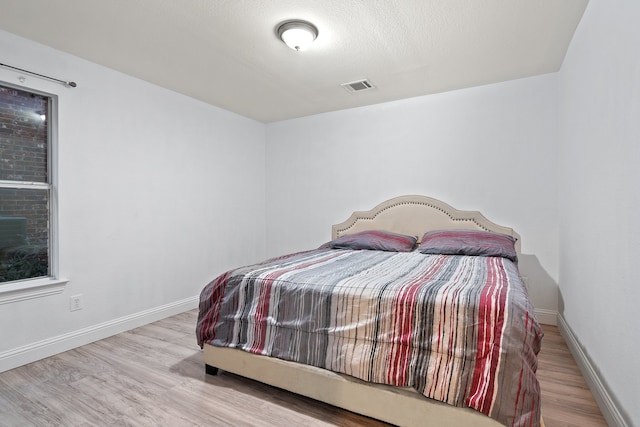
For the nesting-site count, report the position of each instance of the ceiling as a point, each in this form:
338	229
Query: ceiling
226	53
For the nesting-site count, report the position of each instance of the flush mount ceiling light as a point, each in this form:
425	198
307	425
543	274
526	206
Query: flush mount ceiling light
297	34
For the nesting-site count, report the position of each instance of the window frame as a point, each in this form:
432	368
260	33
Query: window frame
24	289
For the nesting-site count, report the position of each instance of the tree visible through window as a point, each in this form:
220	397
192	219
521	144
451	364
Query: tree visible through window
25	184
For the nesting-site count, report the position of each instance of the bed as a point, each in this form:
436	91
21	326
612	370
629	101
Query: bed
414	314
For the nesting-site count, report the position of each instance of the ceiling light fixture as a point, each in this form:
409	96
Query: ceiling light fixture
297	34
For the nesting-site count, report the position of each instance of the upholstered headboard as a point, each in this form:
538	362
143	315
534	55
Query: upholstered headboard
415	215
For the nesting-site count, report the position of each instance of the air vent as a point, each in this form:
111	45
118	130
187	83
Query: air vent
358	86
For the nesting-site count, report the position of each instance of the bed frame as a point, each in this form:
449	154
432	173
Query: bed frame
412	215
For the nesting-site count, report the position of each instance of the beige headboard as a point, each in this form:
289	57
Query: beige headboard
415	215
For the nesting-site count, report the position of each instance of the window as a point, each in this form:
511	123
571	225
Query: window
27	202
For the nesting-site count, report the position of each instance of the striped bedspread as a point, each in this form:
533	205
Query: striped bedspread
459	329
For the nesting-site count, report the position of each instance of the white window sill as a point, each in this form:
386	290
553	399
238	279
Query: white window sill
29	289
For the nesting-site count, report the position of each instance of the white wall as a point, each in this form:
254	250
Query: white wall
159	193
490	148
599	199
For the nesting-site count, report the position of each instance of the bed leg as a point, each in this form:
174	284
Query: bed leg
210	370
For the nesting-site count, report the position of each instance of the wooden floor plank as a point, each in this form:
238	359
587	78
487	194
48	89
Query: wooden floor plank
566	398
154	376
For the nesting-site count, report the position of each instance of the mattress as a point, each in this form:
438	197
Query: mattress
459	329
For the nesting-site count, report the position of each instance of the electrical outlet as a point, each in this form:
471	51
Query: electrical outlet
75	302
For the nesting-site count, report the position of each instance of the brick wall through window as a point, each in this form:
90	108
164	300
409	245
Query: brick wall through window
24	212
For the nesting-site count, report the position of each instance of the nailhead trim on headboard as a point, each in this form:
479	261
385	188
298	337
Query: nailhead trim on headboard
455	215
438	208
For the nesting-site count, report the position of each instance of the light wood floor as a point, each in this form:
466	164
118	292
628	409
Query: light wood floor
154	376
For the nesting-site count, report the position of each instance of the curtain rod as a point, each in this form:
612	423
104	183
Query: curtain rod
71	84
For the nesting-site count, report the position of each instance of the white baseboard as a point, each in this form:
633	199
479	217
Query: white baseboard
605	400
39	350
546	317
